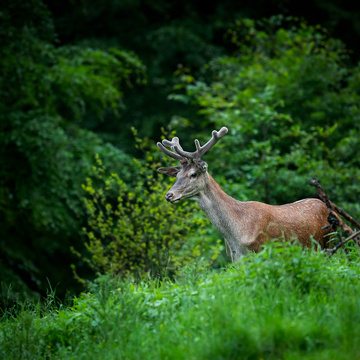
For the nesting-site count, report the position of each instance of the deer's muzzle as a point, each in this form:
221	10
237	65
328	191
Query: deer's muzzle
169	196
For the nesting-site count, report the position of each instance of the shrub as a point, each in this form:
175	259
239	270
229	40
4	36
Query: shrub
133	230
290	99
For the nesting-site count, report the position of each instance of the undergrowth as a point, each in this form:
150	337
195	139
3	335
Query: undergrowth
282	303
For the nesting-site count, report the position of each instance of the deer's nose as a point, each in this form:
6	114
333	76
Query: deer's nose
169	196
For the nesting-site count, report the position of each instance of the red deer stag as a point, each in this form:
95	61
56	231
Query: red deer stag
245	225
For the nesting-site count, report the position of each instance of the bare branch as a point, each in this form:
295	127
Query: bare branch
337	247
346	216
321	193
332	208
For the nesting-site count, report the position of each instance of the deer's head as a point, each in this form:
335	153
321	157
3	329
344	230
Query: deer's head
192	173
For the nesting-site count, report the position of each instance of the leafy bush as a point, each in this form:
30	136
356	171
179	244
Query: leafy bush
45	91
291	101
133	230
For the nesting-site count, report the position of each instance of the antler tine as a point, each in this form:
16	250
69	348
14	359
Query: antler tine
171	144
201	150
174	143
216	136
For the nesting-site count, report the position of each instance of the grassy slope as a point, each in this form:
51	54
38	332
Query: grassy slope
284	303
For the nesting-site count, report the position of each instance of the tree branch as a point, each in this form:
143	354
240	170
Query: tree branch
338	246
334	218
346	216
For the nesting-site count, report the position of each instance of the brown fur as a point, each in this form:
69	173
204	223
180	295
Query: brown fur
261	222
246	225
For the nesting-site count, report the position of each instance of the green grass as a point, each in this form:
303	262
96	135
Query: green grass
283	303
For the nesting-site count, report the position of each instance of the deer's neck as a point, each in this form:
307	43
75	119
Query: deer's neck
220	208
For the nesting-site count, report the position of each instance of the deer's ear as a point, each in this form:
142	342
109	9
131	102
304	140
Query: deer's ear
170	171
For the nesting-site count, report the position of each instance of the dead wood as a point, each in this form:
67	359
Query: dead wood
338	246
333	206
335	220
334	211
346	216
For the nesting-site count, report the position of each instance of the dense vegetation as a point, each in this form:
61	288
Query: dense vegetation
86	90
283	303
293	110
73	83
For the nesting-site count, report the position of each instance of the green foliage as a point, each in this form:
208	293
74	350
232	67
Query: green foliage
282	303
89	79
65	80
292	106
45	155
289	99
132	230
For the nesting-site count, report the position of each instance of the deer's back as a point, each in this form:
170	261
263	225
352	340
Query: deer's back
298	220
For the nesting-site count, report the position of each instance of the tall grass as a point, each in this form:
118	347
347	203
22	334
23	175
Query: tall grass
283	303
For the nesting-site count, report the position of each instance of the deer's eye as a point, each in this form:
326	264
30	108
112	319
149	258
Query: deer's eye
193	175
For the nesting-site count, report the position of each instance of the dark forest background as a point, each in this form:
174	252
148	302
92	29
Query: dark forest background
88	87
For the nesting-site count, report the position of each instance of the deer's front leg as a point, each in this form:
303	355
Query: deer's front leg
229	253
235	253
